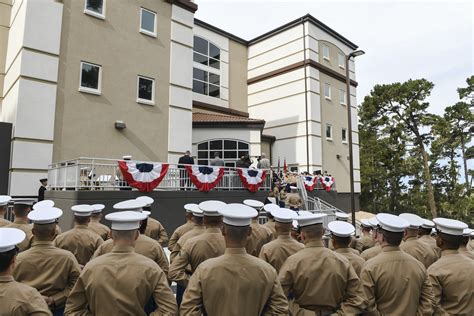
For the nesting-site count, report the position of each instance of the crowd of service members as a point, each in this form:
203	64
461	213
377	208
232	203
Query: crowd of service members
225	263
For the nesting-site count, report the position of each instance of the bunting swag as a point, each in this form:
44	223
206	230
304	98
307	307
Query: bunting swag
252	178
143	176
205	178
309	183
327	182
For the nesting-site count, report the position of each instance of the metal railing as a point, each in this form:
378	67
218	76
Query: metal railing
104	174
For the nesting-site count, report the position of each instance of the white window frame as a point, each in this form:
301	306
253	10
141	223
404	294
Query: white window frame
145	101
95	14
325	96
329	52
343	65
146	32
97	91
342	93
344	141
325	132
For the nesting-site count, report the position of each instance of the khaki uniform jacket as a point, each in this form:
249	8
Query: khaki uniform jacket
100	229
371	252
259	236
17	299
463	250
354	258
144	246
156	231
277	251
234	284
197	230
364	242
321	280
395	283
293	200
196	250
50	270
452	278
4	222
27	228
120	283
81	241
270	225
418	249
430	242
180	231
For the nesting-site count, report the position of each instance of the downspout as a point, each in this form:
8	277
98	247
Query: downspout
305	95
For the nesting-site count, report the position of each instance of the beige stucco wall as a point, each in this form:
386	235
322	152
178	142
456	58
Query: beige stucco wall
238	76
84	123
333	57
5	9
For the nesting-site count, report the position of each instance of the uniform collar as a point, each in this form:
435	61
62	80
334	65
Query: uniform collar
20	221
411	238
314	243
6	278
199	226
80	226
213	230
42	243
448	252
235	251
284	236
390	248
342	250
122	249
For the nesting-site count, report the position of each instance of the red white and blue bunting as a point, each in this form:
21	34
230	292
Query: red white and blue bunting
310	183
327	182
205	178
252	178
143	176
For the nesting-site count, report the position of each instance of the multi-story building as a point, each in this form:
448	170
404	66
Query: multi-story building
105	78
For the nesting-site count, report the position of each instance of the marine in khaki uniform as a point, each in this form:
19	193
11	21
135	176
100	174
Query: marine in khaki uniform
260	235
376	249
452	276
4	199
394	282
465	241
343	217
270	224
218	286
81	241
198	249
50	270
95	225
21	208
341	233
154	229
198	228
293	199
183	229
365	241
424	235
16	299
277	251
319	279
121	282
46	204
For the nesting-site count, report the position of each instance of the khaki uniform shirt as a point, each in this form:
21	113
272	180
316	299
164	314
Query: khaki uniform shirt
144	246
50	270
470	245
27	228
196	250
100	229
259	236
395	283
180	231
354	258
364	242
418	249
293	200
156	231
277	251
234	284
81	241
463	250
17	299
452	278
197	230
371	252
321	280
120	283
270	225
430	241
4	222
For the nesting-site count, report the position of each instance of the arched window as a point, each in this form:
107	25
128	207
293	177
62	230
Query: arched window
228	149
206	73
206	53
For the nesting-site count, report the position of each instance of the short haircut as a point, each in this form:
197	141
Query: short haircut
44	231
424	231
465	240
366	229
236	233
450	241
82	220
198	219
143	225
213	220
313	231
6	258
342	241
392	238
21	210
127	235
269	215
147	208
283	227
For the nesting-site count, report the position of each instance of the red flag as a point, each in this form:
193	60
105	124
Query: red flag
278	165
285	167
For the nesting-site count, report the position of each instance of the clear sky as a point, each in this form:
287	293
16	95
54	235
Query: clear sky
402	39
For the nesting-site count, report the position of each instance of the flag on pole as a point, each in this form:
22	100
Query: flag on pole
278	165
285	167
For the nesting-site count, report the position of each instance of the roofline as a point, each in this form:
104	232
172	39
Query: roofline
220	31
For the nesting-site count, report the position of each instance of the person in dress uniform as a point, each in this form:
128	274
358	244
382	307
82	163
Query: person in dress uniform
95	225
341	233
81	241
394	282
4	200
452	276
260	234
121	282
319	279
270	224
42	188
50	270
465	241
47	204
343	217
424	235
16	299
21	208
154	228
235	283
293	199
183	229
376	249
209	244
365	241
412	245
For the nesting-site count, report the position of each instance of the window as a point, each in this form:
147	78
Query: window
341	60
147	22
344	136
90	79
228	149
145	90
95	8
328	132
206	83
327	91
342	97
325	52
206	53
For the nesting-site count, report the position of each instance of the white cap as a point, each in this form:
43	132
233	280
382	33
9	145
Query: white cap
365	223
472	232
198	212
295	224
4	199
147	213
82	210
190	207
136	205
313	219
450	226
466	232
146	199
253	203
97	208
292	187
126	220
373	222
341	229
236	214
392	223
414	220
341	215
45	215
269	207
211	207
24	201
127	157
10	237
426	223
283	215
43	204
304	213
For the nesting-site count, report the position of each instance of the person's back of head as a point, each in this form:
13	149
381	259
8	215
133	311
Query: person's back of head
7	260
448	242
340	242
124	237
21	210
44	232
312	232
392	238
236	236
82	220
